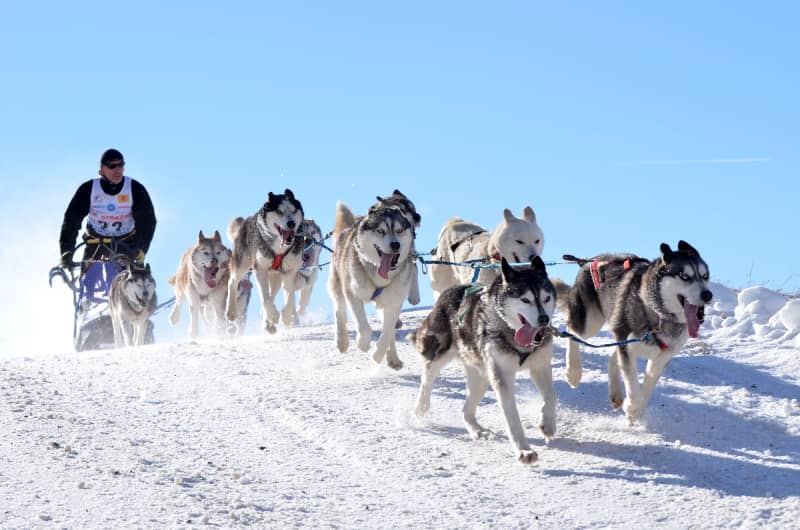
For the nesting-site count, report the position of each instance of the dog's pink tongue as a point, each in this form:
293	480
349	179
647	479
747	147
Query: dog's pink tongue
209	275
386	264
692	322
524	335
285	234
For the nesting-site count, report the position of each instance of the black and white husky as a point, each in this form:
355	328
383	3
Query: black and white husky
496	332
661	300
266	243
131	302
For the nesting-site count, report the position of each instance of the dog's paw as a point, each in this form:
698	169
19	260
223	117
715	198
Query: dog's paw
476	432
547	425
633	410
616	401
378	356
231	315
527	456
573	376
174	317
288	318
413	299
394	364
422	408
269	327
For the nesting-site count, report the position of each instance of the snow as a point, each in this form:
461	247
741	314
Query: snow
283	430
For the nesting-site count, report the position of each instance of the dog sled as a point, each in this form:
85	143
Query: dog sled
90	282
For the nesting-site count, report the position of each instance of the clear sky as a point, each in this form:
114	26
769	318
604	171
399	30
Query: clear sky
623	124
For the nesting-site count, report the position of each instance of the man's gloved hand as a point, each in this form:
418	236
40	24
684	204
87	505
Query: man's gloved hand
138	256
66	260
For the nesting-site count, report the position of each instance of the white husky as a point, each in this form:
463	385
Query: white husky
518	240
131	301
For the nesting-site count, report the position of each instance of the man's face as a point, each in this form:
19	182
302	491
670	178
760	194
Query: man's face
113	170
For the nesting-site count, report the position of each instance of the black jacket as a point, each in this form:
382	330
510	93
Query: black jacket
144	217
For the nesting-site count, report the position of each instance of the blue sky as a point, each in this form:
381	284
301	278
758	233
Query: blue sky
623	124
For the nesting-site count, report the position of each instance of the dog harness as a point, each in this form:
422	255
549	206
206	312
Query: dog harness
276	262
599	276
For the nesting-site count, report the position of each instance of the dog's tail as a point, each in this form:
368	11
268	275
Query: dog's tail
562	294
234	226
344	218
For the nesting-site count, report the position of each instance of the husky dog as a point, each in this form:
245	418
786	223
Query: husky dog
265	243
131	301
517	240
662	300
371	264
202	280
309	268
399	201
496	331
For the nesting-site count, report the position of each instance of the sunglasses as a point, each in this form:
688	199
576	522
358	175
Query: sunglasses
115	165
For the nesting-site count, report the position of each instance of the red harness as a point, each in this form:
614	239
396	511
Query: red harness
276	262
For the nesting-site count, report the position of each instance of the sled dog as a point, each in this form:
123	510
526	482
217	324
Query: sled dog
131	301
202	280
516	239
399	201
265	243
371	264
664	298
496	331
309	268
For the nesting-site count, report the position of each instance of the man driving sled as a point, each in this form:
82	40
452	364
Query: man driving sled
119	209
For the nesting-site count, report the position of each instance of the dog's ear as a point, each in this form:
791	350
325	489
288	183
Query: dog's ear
508	270
217	236
200	237
379	198
288	193
538	265
529	215
508	215
398	193
147	268
666	252
683	246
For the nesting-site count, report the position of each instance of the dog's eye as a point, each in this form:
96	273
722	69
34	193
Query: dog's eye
536	242
705	276
520	242
546	300
683	276
525	300
381	232
400	230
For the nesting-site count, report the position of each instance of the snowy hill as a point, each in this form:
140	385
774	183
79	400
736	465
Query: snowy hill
276	431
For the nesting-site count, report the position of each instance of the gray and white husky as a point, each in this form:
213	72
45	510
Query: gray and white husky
309	269
664	298
265	243
371	264
516	239
496	332
131	301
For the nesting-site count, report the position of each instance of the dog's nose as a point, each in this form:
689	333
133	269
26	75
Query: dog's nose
544	320
395	246
290	223
706	296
